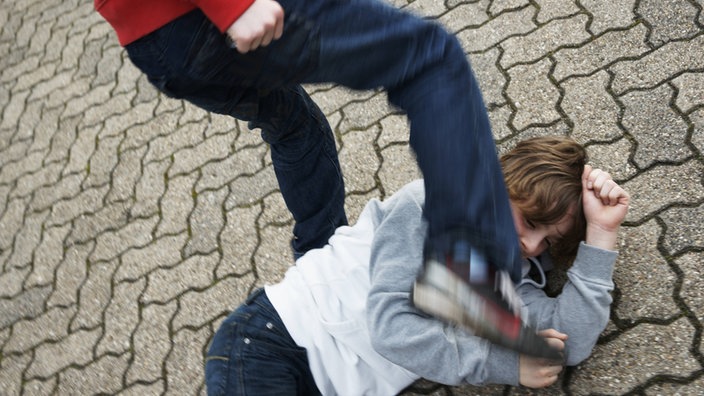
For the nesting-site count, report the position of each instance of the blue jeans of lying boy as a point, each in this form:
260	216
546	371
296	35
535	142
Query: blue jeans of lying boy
361	44
252	353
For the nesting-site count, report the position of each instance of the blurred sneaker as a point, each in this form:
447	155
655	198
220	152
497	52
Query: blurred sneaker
487	305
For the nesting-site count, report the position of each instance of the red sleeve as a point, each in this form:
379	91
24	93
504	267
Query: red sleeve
223	13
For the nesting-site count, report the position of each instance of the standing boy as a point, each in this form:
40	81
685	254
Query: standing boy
340	322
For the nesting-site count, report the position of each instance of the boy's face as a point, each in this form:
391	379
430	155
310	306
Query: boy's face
534	238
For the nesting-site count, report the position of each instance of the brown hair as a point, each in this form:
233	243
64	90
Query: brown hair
544	180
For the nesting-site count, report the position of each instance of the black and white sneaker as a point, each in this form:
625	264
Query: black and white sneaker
490	309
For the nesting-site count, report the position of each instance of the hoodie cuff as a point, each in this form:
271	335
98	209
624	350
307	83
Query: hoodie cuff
502	366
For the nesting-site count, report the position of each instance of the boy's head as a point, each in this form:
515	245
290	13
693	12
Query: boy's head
544	180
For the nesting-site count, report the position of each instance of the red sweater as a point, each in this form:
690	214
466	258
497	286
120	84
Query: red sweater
133	19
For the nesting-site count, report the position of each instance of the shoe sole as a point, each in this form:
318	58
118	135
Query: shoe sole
476	315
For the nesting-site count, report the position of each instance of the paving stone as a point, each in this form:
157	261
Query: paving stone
53	48
138	389
659	131
11	221
498	29
26	240
681	232
657	66
126	175
94	295
695	387
552	9
492	81
30	163
600	52
398	167
70	275
458	18
613	158
636	356
499	6
533	95
609	15
140	113
194	273
174	209
107	66
356	202
95	97
11	281
28	183
218	173
697	119
136	233
87	201
82	149
332	99
591	109
28	120
103	161
238	235
273	255
28	304
187	160
149	189
163	252
152	343
668	21
361	115
115	105
29	79
690	87
394	130
13	152
196	308
65	188
12	368
274	211
50	326
163	147
358	159
77	349
426	8
184	365
692	291
662	186
62	140
544	40
121	318
47	256
642	275
13	110
247	189
109	217
39	387
103	375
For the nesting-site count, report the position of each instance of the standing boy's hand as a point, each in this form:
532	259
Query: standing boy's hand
605	206
258	26
537	372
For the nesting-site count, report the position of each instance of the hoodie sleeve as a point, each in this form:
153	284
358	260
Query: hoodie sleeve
421	344
223	13
582	309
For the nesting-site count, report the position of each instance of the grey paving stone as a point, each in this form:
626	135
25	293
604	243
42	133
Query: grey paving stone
332	99
609	15
152	343
642	275
28	183
659	131
273	255
11	221
636	356
165	146
668	21
692	291
121	318
194	273
69	276
94	295
77	349
497	29
34	76
238	235
499	6
188	159
695	387
138	389
102	375
664	185
657	66
40	387
697	119
136	233
544	40
107	217
65	188
26	240
220	172
690	87
149	189
175	210
533	95
600	52
465	14
12	368
491	79
398	167
500	124
590	107
11	281
28	304
29	164
47	256
196	308
358	159
163	252
362	115
681	232
62	140
552	9
13	110
247	189
274	212
50	326
184	365
87	201
125	175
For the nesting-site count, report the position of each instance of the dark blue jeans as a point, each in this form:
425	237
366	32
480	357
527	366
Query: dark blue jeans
253	354
362	44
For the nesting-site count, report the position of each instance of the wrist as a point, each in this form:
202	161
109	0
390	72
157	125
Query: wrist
602	238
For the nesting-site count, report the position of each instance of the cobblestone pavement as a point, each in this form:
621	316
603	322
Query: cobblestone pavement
131	223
